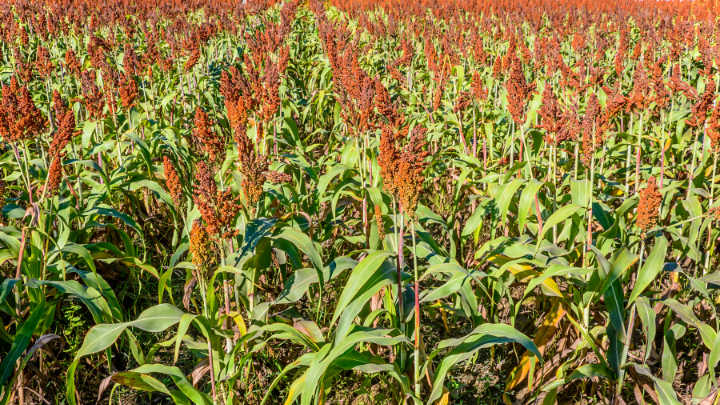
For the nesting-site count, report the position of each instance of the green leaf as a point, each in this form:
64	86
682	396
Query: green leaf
586	371
557	217
21	341
527	198
6	287
651	268
299	282
179	379
154	319
358	278
623	262
386	274
304	243
647	317
686	313
665	392
357	335
142	382
483	336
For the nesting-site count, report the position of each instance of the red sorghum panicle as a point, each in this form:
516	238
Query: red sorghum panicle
217	208
128	92
130	60
92	96
714	213
569	125
463	100
385	106
172	182
591	138
713	128
409	178
518	91
478	87
2	194
72	63
211	143
388	159
550	115
271	92
283	58
648	208
62	138
638	99
54	178
253	167
380	223
64	134
703	105
20	119
43	64
205	196
59	105
439	89
192	59
276	177
200	247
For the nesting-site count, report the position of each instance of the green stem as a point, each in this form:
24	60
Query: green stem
417	312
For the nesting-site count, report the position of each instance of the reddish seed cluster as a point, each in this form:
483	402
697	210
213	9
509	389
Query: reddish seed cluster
128	92
402	168
192	60
648	208
410	167
93	97
59	106
200	247
43	64
20	119
703	105
713	128
217	208
380	223
714	213
550	115
213	145
518	91
62	138
2	194
173	182
591	139
276	177
478	87
387	159
253	167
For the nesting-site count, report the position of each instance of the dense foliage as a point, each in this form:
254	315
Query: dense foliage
387	202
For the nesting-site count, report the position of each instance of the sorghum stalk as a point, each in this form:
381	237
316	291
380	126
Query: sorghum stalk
627	161
662	151
638	155
417	312
512	144
623	359
712	198
692	165
474	149
554	181
398	238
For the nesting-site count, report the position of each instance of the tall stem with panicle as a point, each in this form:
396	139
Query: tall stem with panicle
692	165
417	311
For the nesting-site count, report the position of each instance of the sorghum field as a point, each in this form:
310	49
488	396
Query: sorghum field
359	202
